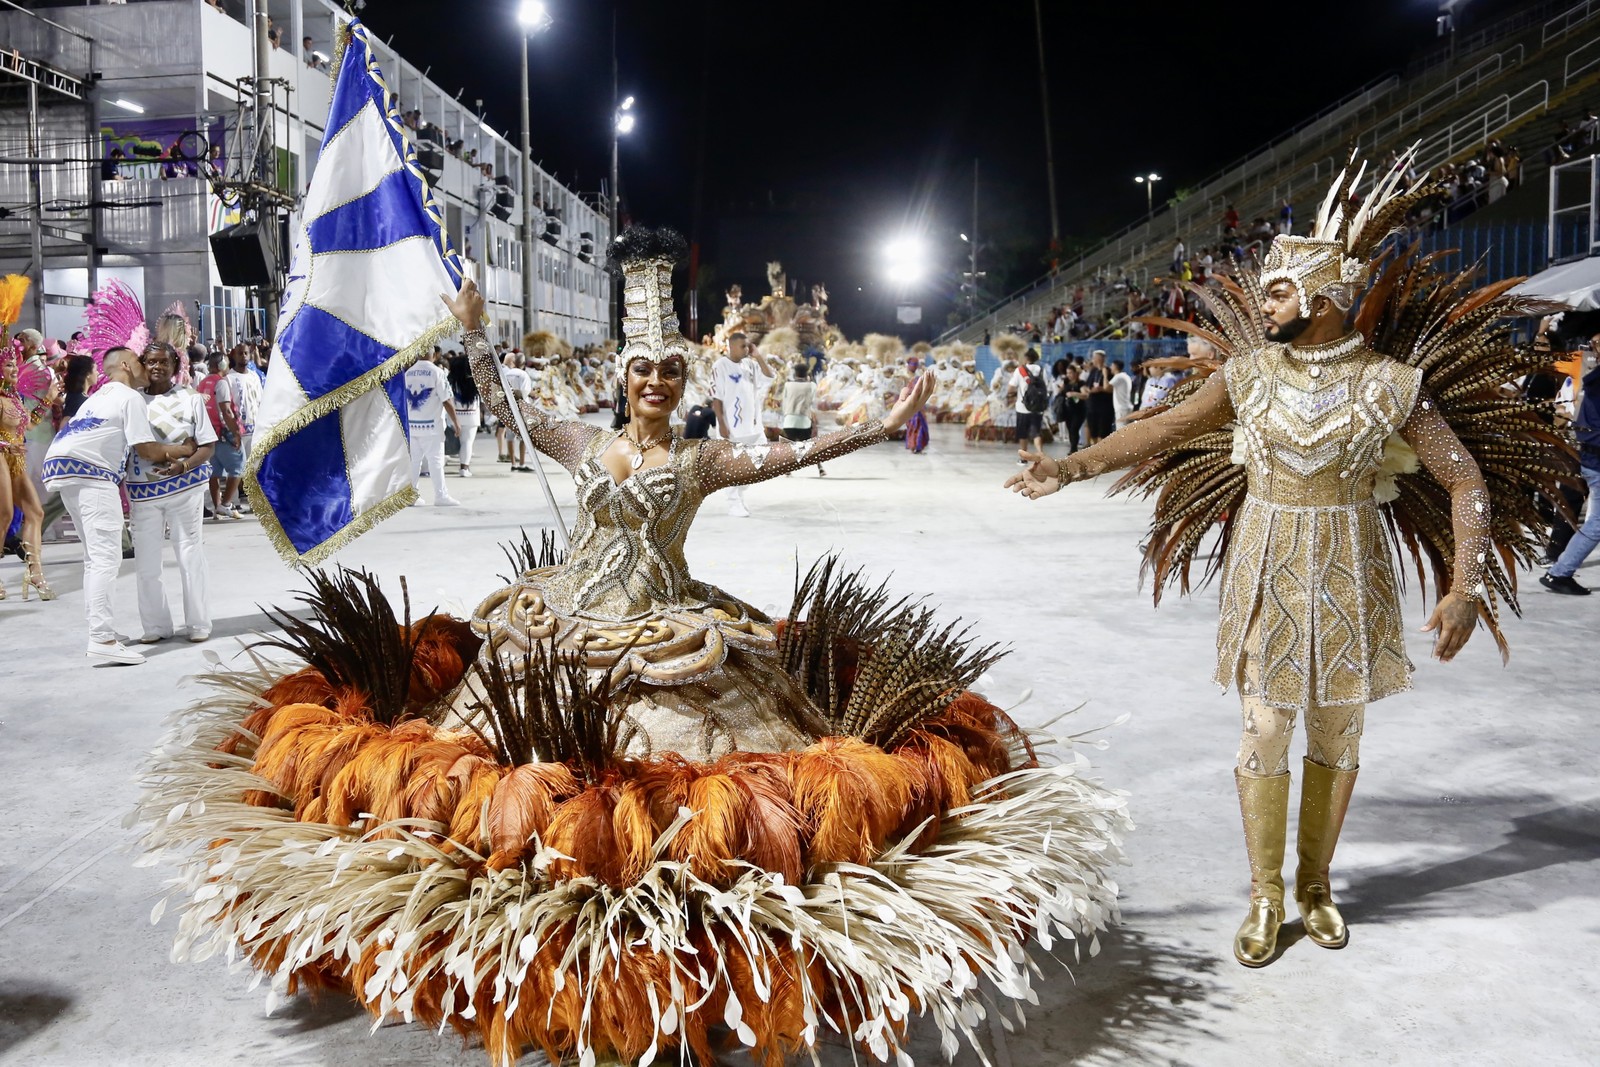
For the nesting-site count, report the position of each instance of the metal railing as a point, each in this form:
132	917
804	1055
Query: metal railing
229	325
1580	59
1414	113
1567	21
1574	196
1475	129
1470	131
1236	173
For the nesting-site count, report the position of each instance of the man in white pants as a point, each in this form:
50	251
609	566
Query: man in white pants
84	465
427	402
738	388
170	498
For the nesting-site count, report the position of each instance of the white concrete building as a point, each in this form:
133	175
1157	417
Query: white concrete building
157	73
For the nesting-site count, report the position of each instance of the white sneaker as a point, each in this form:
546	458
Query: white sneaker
446	501
198	636
466	472
113	652
150	639
739	511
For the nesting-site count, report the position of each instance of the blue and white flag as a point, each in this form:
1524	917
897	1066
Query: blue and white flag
331	457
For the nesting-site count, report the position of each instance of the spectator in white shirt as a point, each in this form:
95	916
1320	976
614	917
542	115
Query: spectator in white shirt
168	499
428	401
519	384
85	465
238	396
1121	392
739	384
244	388
1030	420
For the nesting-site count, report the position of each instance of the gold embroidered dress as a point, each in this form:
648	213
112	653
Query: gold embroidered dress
703	660
1309	584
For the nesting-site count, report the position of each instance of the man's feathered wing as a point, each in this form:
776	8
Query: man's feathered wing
1460	339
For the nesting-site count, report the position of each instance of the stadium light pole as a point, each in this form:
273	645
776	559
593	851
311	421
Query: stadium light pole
1149	183
534	18
622	122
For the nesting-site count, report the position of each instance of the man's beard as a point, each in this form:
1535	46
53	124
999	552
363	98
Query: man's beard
1286	333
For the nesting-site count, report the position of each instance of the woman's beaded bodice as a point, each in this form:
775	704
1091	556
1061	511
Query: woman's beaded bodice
627	545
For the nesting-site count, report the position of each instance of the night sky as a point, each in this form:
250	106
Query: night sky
814	133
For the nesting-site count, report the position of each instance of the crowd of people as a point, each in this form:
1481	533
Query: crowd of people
125	450
153	445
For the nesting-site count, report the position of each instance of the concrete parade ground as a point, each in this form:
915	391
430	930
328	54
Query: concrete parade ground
1469	869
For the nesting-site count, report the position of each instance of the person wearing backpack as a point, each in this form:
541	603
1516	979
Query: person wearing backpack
1033	396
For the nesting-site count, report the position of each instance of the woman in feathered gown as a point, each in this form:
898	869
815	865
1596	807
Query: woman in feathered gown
619	812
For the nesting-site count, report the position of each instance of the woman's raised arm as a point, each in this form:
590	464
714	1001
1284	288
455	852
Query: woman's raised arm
561	440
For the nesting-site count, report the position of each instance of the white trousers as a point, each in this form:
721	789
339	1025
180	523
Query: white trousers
469	434
182	514
736	492
96	510
427	447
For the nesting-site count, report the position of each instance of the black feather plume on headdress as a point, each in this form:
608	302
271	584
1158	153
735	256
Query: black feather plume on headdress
639	242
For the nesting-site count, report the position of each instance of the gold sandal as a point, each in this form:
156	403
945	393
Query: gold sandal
32	583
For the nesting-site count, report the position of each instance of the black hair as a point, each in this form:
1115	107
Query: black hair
172	353
80	369
461	382
640	242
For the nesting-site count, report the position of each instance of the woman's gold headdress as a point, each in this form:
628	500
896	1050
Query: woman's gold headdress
646	259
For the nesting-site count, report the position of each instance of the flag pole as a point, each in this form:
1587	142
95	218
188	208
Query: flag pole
515	404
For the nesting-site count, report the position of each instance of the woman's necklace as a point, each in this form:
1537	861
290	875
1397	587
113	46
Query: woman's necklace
640	448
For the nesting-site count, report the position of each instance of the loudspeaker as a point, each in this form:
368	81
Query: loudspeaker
505	201
243	255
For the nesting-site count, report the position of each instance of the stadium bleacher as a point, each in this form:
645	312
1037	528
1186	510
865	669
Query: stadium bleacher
1516	80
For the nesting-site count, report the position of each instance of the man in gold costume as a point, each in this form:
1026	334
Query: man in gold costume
1310	621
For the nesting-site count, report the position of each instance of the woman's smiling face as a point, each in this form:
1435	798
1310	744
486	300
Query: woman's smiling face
654	389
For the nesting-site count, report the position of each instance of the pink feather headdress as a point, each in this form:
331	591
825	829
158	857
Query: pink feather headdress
33	381
115	319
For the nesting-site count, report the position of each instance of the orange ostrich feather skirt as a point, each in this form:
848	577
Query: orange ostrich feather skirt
758	901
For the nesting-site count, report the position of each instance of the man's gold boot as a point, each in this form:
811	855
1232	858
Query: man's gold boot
1264	805
1324	798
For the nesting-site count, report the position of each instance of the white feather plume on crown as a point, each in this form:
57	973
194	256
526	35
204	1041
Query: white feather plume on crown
1330	217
